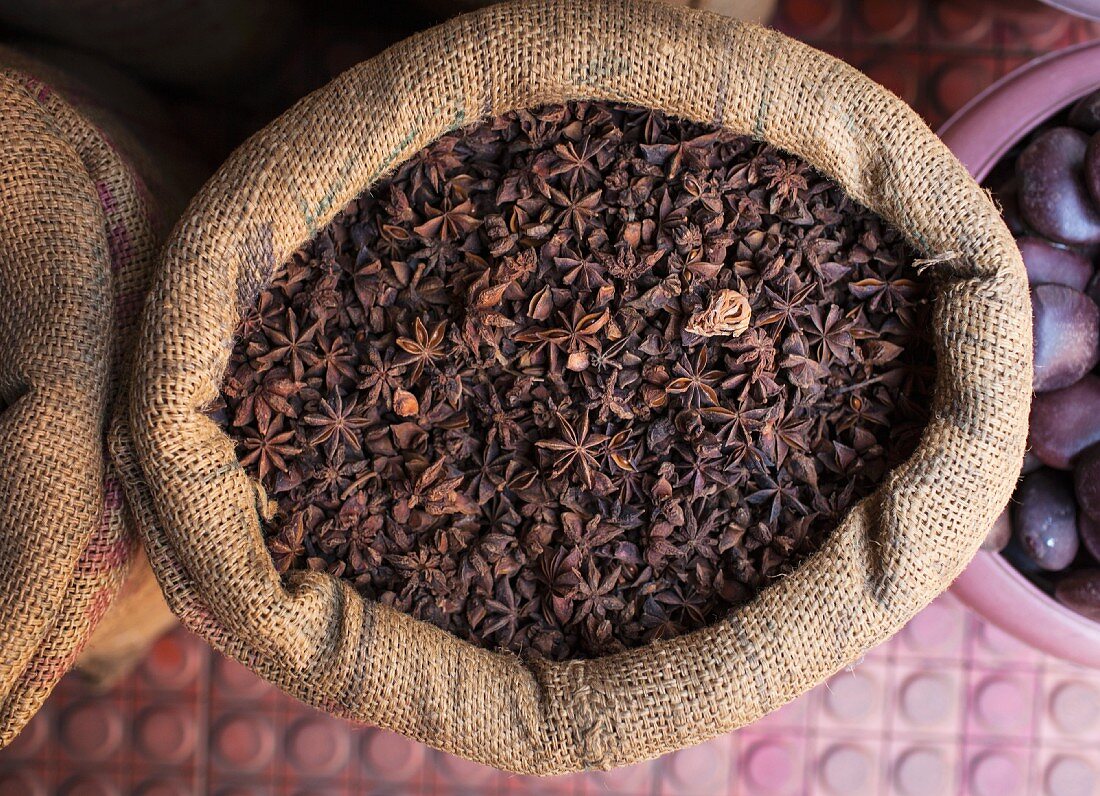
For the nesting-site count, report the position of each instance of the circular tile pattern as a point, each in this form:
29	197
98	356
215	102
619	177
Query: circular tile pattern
927	699
1075	707
847	770
243	742
889	18
700	768
90	730
21	783
921	771
850	695
769	767
1070	776
961	22
936	628
163	787
995	640
1003	704
165	733
317	746
237	682
629	779
960	81
1042	29
997	774
33	735
173	662
812	17
468	773
894	76
390	756
87	785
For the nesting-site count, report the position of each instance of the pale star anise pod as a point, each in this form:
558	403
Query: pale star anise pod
728	314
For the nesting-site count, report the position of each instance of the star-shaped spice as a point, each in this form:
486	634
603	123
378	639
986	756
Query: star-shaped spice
337	424
576	448
423	348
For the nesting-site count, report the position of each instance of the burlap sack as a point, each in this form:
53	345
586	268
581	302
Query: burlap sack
316	638
81	214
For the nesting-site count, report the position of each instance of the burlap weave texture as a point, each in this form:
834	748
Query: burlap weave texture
82	210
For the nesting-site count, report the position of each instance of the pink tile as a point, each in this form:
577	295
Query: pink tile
924	768
704	769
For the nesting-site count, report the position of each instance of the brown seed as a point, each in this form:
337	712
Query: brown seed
405	403
577	361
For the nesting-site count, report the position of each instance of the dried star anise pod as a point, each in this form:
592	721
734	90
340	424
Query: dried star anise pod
728	314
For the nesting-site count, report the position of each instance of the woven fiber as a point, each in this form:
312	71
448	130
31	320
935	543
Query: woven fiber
78	231
315	637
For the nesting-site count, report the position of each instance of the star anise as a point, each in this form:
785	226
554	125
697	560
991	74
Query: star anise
787	178
595	593
423	348
337	424
576	449
268	450
576	210
334	360
694	381
290	344
576	334
267	401
577	166
449	222
828	331
380	376
288	547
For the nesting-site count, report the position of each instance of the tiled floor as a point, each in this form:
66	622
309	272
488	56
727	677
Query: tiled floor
934	54
949	706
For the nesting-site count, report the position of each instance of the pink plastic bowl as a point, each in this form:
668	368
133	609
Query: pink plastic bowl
979	135
1089	9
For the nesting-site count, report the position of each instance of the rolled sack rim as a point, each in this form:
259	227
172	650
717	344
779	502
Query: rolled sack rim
316	638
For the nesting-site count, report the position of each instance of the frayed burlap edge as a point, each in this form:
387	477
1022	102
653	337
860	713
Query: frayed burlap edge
314	637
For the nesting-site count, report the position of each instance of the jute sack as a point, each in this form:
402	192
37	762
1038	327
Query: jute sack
316	638
82	208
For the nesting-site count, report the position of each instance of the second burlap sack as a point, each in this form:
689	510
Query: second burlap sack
316	638
85	200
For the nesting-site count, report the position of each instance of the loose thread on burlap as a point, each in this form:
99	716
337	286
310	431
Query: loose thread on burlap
925	263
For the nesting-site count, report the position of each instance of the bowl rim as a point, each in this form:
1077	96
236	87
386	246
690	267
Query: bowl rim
979	134
1086	9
